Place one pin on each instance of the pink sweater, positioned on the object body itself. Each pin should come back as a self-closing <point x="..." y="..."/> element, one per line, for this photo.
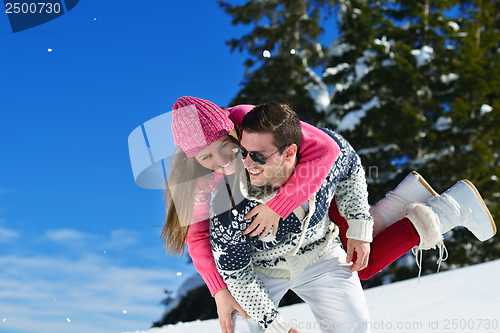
<point x="318" y="152"/>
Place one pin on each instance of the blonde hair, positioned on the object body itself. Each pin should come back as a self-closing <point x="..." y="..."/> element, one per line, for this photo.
<point x="186" y="171"/>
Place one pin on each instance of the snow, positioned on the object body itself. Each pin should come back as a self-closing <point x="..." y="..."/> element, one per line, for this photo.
<point x="341" y="12"/>
<point x="406" y="26"/>
<point x="335" y="70"/>
<point x="464" y="298"/>
<point x="388" y="62"/>
<point x="384" y="42"/>
<point x="342" y="86"/>
<point x="337" y="48"/>
<point x="424" y="55"/>
<point x="266" y="54"/>
<point x="442" y="124"/>
<point x="432" y="156"/>
<point x="319" y="94"/>
<point x="454" y="25"/>
<point x="447" y="78"/>
<point x="353" y="118"/>
<point x="485" y="108"/>
<point x="366" y="151"/>
<point x="361" y="68"/>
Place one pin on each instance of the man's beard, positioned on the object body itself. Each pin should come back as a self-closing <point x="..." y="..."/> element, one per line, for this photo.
<point x="259" y="192"/>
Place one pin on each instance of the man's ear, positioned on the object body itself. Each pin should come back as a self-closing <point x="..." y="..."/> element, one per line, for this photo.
<point x="290" y="151"/>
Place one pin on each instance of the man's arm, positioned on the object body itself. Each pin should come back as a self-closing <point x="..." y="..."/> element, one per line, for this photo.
<point x="233" y="258"/>
<point x="351" y="196"/>
<point x="351" y="193"/>
<point x="352" y="200"/>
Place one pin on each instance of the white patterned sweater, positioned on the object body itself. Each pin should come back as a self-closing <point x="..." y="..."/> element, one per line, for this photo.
<point x="301" y="238"/>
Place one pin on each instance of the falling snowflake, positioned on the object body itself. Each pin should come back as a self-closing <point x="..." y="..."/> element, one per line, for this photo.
<point x="266" y="54"/>
<point x="50" y="50"/>
<point x="292" y="51"/>
<point x="125" y="311"/>
<point x="179" y="273"/>
<point x="69" y="320"/>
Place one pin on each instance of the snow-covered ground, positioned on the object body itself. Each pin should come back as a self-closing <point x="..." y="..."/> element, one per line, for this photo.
<point x="461" y="300"/>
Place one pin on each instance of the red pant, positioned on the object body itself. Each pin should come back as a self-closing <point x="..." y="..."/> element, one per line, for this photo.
<point x="389" y="245"/>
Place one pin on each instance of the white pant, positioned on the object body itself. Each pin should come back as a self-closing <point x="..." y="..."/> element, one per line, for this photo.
<point x="333" y="293"/>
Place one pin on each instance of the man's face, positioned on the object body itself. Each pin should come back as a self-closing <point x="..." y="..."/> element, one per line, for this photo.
<point x="273" y="173"/>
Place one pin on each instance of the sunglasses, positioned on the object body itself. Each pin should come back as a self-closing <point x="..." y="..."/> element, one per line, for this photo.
<point x="258" y="157"/>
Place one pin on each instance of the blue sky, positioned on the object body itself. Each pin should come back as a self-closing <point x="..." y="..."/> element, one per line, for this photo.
<point x="79" y="241"/>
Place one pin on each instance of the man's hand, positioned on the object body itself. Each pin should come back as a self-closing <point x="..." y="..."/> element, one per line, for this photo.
<point x="226" y="304"/>
<point x="263" y="222"/>
<point x="362" y="252"/>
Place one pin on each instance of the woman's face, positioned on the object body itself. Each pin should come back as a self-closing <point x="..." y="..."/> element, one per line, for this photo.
<point x="219" y="156"/>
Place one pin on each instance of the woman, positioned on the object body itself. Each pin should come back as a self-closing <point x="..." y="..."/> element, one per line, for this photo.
<point x="208" y="142"/>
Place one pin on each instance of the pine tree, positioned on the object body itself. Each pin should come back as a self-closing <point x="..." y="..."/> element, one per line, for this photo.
<point x="282" y="46"/>
<point x="413" y="85"/>
<point x="474" y="121"/>
<point x="408" y="94"/>
<point x="386" y="81"/>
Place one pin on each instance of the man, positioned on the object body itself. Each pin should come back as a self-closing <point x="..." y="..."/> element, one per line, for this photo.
<point x="305" y="255"/>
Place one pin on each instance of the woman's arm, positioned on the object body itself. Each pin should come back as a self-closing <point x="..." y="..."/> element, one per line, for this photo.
<point x="200" y="250"/>
<point x="198" y="236"/>
<point x="318" y="152"/>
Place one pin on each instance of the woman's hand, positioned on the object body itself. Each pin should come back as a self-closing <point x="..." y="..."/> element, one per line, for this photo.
<point x="263" y="222"/>
<point x="226" y="304"/>
<point x="293" y="330"/>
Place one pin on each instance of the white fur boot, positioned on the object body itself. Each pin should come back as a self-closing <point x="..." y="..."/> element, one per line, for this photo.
<point x="392" y="208"/>
<point x="426" y="222"/>
<point x="462" y="205"/>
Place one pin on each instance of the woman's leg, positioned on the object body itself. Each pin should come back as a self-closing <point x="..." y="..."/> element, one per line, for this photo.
<point x="424" y="224"/>
<point x="389" y="245"/>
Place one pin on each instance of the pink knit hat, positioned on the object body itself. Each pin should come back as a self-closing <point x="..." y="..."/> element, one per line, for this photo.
<point x="196" y="123"/>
